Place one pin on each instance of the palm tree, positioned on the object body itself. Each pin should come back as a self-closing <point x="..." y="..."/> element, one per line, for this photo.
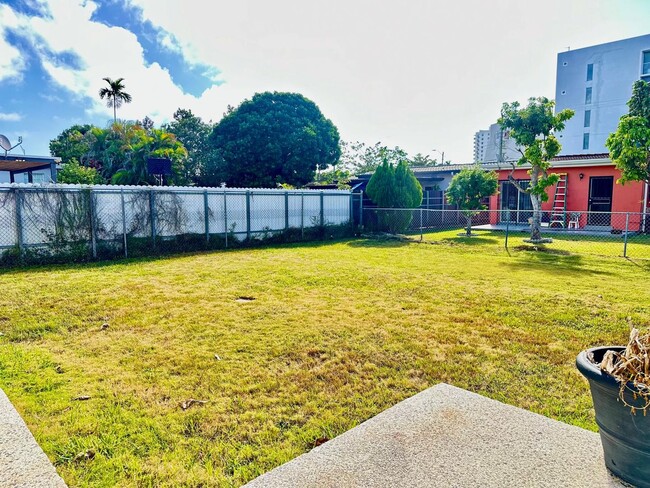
<point x="115" y="95"/>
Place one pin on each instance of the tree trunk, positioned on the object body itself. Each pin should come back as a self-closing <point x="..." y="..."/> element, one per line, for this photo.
<point x="536" y="200"/>
<point x="468" y="228"/>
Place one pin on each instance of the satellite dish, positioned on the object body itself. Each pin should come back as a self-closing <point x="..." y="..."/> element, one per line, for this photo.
<point x="4" y="143"/>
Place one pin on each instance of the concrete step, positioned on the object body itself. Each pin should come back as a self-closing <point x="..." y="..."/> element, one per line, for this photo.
<point x="445" y="436"/>
<point x="23" y="464"/>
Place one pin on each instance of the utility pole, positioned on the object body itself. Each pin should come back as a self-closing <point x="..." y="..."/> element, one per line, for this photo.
<point x="500" y="155"/>
<point x="442" y="153"/>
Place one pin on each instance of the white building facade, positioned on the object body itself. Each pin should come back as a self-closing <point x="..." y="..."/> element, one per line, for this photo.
<point x="596" y="82"/>
<point x="481" y="139"/>
<point x="493" y="145"/>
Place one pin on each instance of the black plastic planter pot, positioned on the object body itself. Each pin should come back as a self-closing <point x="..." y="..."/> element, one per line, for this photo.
<point x="625" y="436"/>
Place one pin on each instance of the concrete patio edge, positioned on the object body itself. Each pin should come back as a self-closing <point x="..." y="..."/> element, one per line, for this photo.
<point x="23" y="464"/>
<point x="446" y="436"/>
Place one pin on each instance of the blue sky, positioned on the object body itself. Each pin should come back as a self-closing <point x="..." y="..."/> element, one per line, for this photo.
<point x="421" y="74"/>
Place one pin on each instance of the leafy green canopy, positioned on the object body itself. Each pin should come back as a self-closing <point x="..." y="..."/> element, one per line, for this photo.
<point x="72" y="143"/>
<point x="274" y="138"/>
<point x="200" y="167"/>
<point x="471" y="185"/>
<point x="533" y="128"/>
<point x="629" y="146"/>
<point x="74" y="173"/>
<point x="359" y="158"/>
<point x="119" y="153"/>
<point x="391" y="187"/>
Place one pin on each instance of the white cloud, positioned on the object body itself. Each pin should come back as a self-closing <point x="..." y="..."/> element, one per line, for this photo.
<point x="12" y="64"/>
<point x="419" y="74"/>
<point x="103" y="51"/>
<point x="10" y="117"/>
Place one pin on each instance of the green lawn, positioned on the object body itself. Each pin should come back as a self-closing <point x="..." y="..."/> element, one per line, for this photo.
<point x="337" y="333"/>
<point x="638" y="246"/>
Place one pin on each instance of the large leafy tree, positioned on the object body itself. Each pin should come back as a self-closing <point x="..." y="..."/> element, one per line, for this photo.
<point x="629" y="146"/>
<point x="468" y="188"/>
<point x="533" y="128"/>
<point x="272" y="139"/>
<point x="73" y="143"/>
<point x="359" y="158"/>
<point x="193" y="133"/>
<point x="114" y="94"/>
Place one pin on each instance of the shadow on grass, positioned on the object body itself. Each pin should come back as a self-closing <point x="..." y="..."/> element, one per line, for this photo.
<point x="112" y="263"/>
<point x="381" y="242"/>
<point x="471" y="241"/>
<point x="644" y="264"/>
<point x="550" y="261"/>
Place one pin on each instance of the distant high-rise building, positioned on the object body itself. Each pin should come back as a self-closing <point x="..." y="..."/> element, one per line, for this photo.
<point x="494" y="145"/>
<point x="480" y="143"/>
<point x="596" y="82"/>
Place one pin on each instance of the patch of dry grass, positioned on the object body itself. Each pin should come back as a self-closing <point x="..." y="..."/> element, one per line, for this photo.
<point x="336" y="333"/>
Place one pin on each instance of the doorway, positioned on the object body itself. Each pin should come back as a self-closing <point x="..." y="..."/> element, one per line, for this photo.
<point x="516" y="206"/>
<point x="600" y="200"/>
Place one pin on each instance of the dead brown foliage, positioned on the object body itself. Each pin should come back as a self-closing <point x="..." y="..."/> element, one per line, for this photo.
<point x="632" y="370"/>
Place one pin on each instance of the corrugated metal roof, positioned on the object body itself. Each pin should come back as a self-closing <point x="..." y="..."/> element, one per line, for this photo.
<point x="187" y="189"/>
<point x="443" y="168"/>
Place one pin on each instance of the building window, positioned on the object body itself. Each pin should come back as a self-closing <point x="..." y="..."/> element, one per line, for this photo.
<point x="645" y="68"/>
<point x="590" y="72"/>
<point x="588" y="96"/>
<point x="587" y="118"/>
<point x="585" y="141"/>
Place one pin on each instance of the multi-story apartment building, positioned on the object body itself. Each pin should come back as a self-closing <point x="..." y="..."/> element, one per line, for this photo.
<point x="596" y="82"/>
<point x="494" y="145"/>
<point x="481" y="139"/>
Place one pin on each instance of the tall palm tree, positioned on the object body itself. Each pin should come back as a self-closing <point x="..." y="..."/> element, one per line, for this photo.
<point x="115" y="95"/>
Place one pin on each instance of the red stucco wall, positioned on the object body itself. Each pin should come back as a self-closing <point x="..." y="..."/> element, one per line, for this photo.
<point x="625" y="198"/>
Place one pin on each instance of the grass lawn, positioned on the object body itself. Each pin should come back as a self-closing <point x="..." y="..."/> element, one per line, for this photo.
<point x="638" y="246"/>
<point x="337" y="333"/>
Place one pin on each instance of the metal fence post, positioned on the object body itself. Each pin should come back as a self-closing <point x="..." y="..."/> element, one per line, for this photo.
<point x="206" y="213"/>
<point x="507" y="226"/>
<point x="19" y="221"/>
<point x="627" y="226"/>
<point x="286" y="210"/>
<point x="322" y="208"/>
<point x="248" y="215"/>
<point x="421" y="234"/>
<point x="126" y="252"/>
<point x="361" y="208"/>
<point x="91" y="217"/>
<point x="351" y="208"/>
<point x="225" y="215"/>
<point x="302" y="215"/>
<point x="152" y="214"/>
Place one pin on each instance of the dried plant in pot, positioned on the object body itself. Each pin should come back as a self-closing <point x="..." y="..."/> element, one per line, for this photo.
<point x="619" y="378"/>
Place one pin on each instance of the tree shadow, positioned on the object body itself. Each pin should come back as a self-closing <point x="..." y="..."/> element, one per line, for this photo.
<point x="477" y="240"/>
<point x="137" y="260"/>
<point x="382" y="242"/>
<point x="555" y="262"/>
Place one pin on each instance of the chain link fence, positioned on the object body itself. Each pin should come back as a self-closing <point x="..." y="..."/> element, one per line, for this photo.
<point x="68" y="223"/>
<point x="598" y="233"/>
